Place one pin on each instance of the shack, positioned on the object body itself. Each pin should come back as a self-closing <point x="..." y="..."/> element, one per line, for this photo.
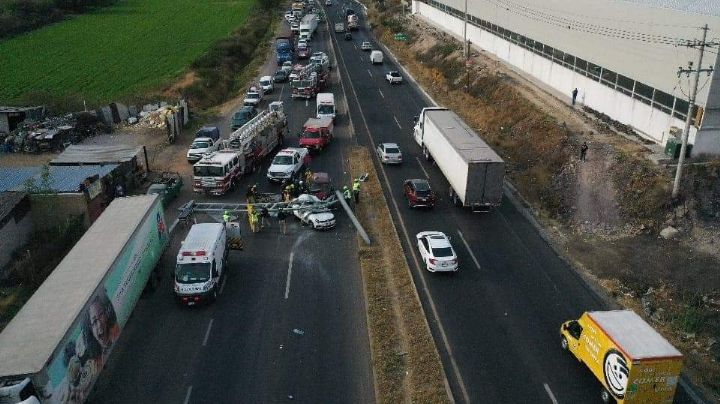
<point x="132" y="161"/>
<point x="11" y="117"/>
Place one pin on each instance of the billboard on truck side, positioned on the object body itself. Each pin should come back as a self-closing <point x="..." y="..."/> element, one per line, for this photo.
<point x="77" y="359"/>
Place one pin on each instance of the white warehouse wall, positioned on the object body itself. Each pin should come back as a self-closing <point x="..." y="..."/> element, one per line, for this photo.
<point x="647" y="121"/>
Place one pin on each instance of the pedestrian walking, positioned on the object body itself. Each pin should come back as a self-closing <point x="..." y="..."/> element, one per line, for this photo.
<point x="356" y="190"/>
<point x="574" y="95"/>
<point x="281" y="221"/>
<point x="308" y="176"/>
<point x="264" y="217"/>
<point x="583" y="151"/>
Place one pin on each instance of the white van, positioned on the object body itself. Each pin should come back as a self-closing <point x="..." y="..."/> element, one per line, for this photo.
<point x="201" y="263"/>
<point x="376" y="57"/>
<point x="325" y="106"/>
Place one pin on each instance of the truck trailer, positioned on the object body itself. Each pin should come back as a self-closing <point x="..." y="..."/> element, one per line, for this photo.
<point x="308" y="24"/>
<point x="473" y="169"/>
<point x="56" y="346"/>
<point x="632" y="361"/>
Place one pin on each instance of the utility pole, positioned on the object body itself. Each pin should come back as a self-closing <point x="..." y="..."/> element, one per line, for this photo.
<point x="466" y="51"/>
<point x="695" y="71"/>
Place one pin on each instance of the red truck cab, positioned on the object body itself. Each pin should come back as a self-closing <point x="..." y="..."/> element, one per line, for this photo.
<point x="316" y="133"/>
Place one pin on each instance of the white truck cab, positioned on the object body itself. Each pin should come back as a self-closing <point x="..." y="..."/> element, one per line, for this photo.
<point x="287" y="164"/>
<point x="325" y="106"/>
<point x="201" y="263"/>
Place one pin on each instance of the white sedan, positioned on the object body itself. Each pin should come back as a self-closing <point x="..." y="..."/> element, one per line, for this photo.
<point x="393" y="77"/>
<point x="318" y="218"/>
<point x="436" y="251"/>
<point x="389" y="153"/>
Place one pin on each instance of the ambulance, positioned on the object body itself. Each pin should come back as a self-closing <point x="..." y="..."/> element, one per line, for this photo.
<point x="201" y="263"/>
<point x="632" y="361"/>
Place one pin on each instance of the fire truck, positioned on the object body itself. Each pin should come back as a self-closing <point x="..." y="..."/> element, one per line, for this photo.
<point x="316" y="133"/>
<point x="215" y="173"/>
<point x="259" y="137"/>
<point x="310" y="80"/>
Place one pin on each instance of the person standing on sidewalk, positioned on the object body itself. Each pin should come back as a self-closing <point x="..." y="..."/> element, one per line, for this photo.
<point x="574" y="95"/>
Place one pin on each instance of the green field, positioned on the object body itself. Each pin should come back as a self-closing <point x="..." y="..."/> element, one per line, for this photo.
<point x="117" y="51"/>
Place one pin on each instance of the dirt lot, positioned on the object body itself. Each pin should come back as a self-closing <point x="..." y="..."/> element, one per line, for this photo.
<point x="605" y="213"/>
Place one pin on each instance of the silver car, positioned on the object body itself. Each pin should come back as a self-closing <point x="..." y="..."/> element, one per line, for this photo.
<point x="389" y="153"/>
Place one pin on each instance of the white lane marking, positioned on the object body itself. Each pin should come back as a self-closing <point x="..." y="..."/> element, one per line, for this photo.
<point x="422" y="168"/>
<point x="426" y="291"/>
<point x="306" y="102"/>
<point x="469" y="250"/>
<point x="381" y="94"/>
<point x="222" y="287"/>
<point x="207" y="333"/>
<point x="396" y="120"/>
<point x="289" y="274"/>
<point x="550" y="393"/>
<point x="187" y="395"/>
<point x="369" y="73"/>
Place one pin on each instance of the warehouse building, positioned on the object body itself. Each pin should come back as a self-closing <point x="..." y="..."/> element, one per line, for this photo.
<point x="622" y="56"/>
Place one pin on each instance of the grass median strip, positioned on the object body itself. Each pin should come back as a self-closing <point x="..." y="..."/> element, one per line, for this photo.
<point x="406" y="364"/>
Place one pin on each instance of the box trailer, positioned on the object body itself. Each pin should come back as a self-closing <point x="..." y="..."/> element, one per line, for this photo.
<point x="632" y="361"/>
<point x="473" y="169"/>
<point x="56" y="346"/>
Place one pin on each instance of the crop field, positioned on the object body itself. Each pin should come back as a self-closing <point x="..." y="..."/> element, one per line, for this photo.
<point x="117" y="51"/>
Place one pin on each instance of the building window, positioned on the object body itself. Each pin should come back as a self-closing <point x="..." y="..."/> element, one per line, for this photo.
<point x="663" y="101"/>
<point x="681" y="109"/>
<point x="538" y="47"/>
<point x="593" y="70"/>
<point x="625" y="85"/>
<point x="580" y="66"/>
<point x="558" y="55"/>
<point x="609" y="77"/>
<point x="643" y="92"/>
<point x="569" y="61"/>
<point x="548" y="52"/>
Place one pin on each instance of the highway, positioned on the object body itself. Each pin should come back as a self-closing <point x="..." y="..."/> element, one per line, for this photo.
<point x="496" y="322"/>
<point x="289" y="323"/>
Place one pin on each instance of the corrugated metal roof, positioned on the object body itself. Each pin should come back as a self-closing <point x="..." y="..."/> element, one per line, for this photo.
<point x="706" y="7"/>
<point x="96" y="154"/>
<point x="61" y="178"/>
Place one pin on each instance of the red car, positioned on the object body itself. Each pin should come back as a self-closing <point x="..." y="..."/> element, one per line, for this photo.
<point x="418" y="193"/>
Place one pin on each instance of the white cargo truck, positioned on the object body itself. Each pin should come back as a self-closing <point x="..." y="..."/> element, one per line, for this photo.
<point x="56" y="346"/>
<point x="201" y="263"/>
<point x="308" y="24"/>
<point x="473" y="169"/>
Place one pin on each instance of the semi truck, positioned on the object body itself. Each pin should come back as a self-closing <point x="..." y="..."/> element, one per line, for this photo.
<point x="283" y="49"/>
<point x="632" y="361"/>
<point x="56" y="346"/>
<point x="473" y="169"/>
<point x="308" y="24"/>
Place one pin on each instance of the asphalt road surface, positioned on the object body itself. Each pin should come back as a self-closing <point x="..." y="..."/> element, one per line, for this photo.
<point x="289" y="323"/>
<point x="496" y="322"/>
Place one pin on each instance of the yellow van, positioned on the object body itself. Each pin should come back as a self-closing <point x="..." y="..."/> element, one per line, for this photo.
<point x="634" y="363"/>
